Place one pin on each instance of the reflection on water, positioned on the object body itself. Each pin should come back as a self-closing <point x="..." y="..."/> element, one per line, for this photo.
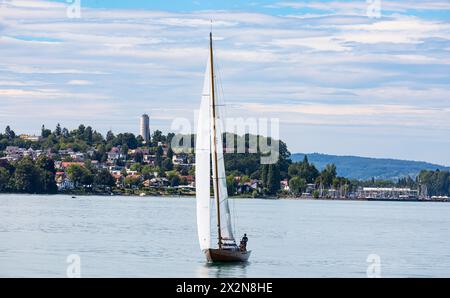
<point x="222" y="270"/>
<point x="157" y="237"/>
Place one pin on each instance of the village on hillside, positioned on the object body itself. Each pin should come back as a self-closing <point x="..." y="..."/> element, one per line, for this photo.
<point x="82" y="161"/>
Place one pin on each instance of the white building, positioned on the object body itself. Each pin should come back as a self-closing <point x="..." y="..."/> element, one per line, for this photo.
<point x="77" y="156"/>
<point x="387" y="193"/>
<point x="14" y="153"/>
<point x="145" y="128"/>
<point x="179" y="159"/>
<point x="30" y="138"/>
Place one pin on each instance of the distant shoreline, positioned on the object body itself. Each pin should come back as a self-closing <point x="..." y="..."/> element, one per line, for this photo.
<point x="233" y="198"/>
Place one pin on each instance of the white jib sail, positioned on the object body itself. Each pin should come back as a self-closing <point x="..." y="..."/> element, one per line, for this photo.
<point x="203" y="165"/>
<point x="225" y="216"/>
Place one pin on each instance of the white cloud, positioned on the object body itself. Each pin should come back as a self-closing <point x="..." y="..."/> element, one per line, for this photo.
<point x="353" y="115"/>
<point x="23" y="69"/>
<point x="323" y="43"/>
<point x="45" y="93"/>
<point x="360" y="7"/>
<point x="79" y="82"/>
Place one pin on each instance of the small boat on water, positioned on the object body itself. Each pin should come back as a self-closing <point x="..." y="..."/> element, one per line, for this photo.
<point x="209" y="152"/>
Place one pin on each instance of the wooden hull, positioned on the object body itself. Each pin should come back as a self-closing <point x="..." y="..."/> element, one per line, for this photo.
<point x="221" y="255"/>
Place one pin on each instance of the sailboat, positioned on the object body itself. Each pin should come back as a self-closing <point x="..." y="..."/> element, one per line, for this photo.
<point x="209" y="152"/>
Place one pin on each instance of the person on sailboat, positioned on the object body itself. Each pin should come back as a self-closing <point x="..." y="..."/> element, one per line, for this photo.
<point x="244" y="241"/>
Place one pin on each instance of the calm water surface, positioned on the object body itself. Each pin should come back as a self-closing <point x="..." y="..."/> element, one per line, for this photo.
<point x="156" y="237"/>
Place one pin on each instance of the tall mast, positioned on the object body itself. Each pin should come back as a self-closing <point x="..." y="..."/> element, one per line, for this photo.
<point x="216" y="169"/>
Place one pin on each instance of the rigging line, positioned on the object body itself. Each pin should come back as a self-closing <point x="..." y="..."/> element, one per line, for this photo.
<point x="221" y="97"/>
<point x="220" y="84"/>
<point x="220" y="75"/>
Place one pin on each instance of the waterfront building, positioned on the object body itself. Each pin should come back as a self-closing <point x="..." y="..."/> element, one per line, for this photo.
<point x="145" y="128"/>
<point x="393" y="193"/>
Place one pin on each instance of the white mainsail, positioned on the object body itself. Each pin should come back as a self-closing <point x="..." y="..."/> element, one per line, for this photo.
<point x="203" y="165"/>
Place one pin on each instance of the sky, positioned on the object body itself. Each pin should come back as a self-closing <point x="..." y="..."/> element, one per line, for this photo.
<point x="341" y="79"/>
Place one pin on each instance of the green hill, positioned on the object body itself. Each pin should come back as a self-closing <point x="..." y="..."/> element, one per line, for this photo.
<point x="364" y="168"/>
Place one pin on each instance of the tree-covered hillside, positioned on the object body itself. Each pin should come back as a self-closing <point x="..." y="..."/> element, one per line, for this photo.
<point x="364" y="168"/>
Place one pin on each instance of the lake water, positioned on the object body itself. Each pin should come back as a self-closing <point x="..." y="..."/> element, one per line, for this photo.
<point x="156" y="237"/>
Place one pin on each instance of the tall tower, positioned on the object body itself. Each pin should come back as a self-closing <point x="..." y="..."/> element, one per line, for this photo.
<point x="145" y="128"/>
